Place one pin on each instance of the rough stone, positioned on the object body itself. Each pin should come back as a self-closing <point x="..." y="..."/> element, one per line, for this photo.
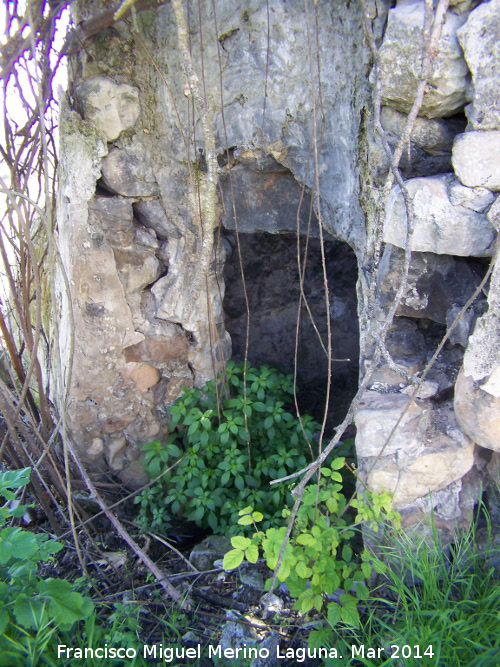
<point x="401" y="57"/>
<point x="494" y="214"/>
<point x="482" y="356"/>
<point x="273" y="603"/>
<point x="406" y="344"/>
<point x="110" y="106"/>
<point x="257" y="160"/>
<point x="239" y="635"/>
<point x="476" y="159"/>
<point x="152" y="214"/>
<point x="251" y="576"/>
<point x="376" y="416"/>
<point x="208" y="551"/>
<point x="433" y="135"/>
<point x="159" y="347"/>
<point x="444" y="456"/>
<point x="478" y="412"/>
<point x="479" y="39"/>
<point x="461" y="331"/>
<point x="432" y="157"/>
<point x="265" y="202"/>
<point x="436" y="283"/>
<point x="145" y="376"/>
<point x="440" y="227"/>
<point x="136" y="268"/>
<point x="115" y="450"/>
<point x="114" y="217"/>
<point x="477" y="199"/>
<point x="128" y="172"/>
<point x="146" y="238"/>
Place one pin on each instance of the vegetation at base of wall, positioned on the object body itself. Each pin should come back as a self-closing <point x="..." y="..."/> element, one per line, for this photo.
<point x="225" y="461"/>
<point x="34" y="611"/>
<point x="435" y="606"/>
<point x="319" y="565"/>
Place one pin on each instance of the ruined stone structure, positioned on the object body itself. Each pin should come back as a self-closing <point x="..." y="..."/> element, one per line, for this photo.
<point x="131" y="150"/>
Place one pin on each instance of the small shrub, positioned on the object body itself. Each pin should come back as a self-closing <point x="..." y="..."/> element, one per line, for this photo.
<point x="214" y="479"/>
<point x="318" y="565"/>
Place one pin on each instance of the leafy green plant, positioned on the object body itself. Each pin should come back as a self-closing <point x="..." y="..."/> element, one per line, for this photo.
<point x="211" y="440"/>
<point x="318" y="565"/>
<point x="33" y="610"/>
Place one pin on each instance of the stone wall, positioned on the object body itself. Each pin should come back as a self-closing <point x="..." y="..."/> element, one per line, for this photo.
<point x="436" y="459"/>
<point x="127" y="209"/>
<point x="131" y="243"/>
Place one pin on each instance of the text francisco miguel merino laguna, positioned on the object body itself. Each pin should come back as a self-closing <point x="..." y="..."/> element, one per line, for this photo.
<point x="170" y="654"/>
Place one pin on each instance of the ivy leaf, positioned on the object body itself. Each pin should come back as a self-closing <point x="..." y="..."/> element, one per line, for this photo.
<point x="284" y="571"/>
<point x="14" y="479"/>
<point x="367" y="570"/>
<point x="232" y="559"/>
<point x="362" y="592"/>
<point x="346" y="553"/>
<point x="30" y="612"/>
<point x="4" y="619"/>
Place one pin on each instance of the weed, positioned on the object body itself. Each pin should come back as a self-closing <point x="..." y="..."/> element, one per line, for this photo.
<point x="215" y="477"/>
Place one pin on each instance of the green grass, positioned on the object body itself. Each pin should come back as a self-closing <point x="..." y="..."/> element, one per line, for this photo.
<point x="448" y="599"/>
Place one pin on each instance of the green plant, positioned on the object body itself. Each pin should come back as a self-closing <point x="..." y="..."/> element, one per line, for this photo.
<point x="212" y="432"/>
<point x="318" y="565"/>
<point x="34" y="611"/>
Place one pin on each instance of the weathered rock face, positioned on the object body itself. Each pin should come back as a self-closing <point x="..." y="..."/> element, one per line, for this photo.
<point x="440" y="226"/>
<point x="456" y="217"/>
<point x="401" y="58"/>
<point x="130" y="226"/>
<point x="479" y="39"/>
<point x="134" y="195"/>
<point x="476" y="159"/>
<point x="111" y="107"/>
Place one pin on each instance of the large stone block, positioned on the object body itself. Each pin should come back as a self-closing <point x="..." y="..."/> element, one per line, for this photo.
<point x="152" y="214"/>
<point x="377" y="415"/>
<point x="478" y="410"/>
<point x="445" y="455"/>
<point x="401" y="58"/>
<point x="128" y="172"/>
<point x="137" y="268"/>
<point x="480" y="39"/>
<point x="111" y="107"/>
<point x="433" y="135"/>
<point x="476" y="159"/>
<point x="440" y="227"/>
<point x="436" y="283"/>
